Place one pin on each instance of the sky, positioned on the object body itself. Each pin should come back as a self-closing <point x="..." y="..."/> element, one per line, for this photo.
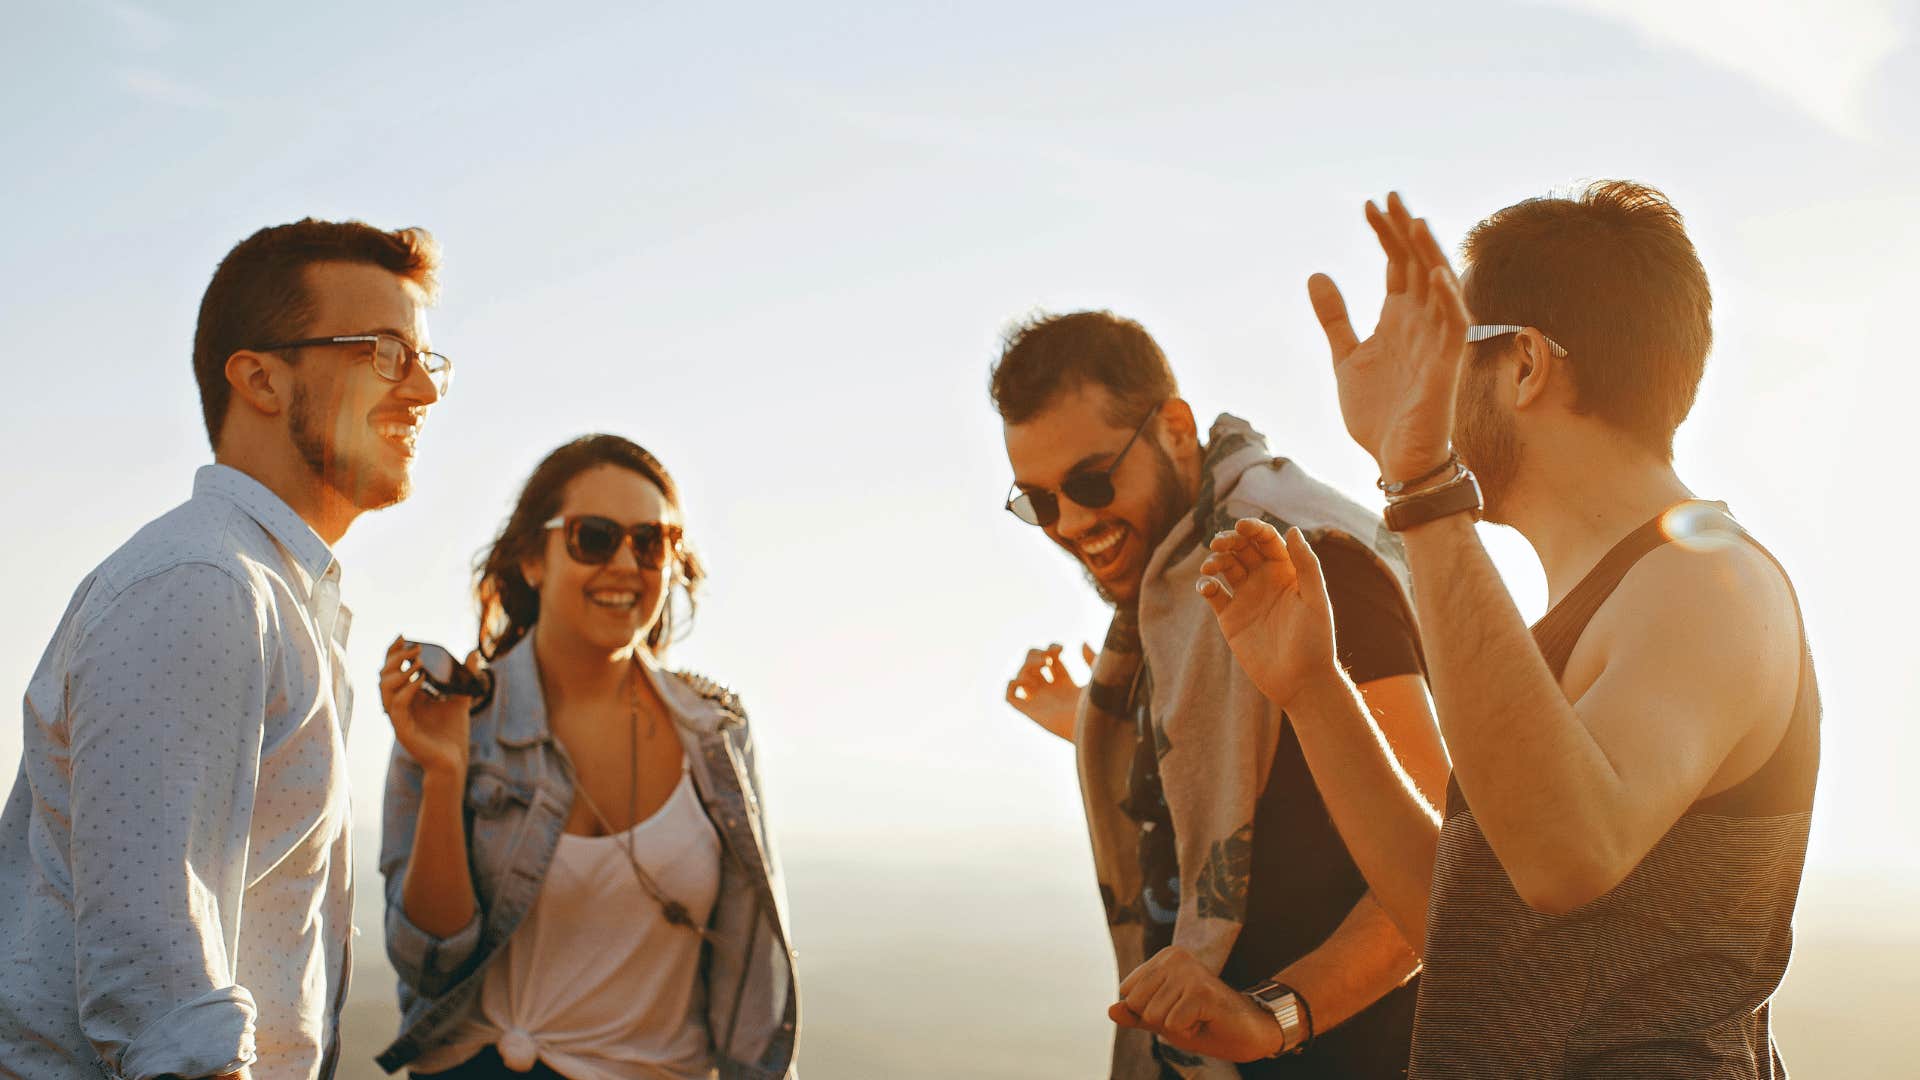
<point x="778" y="244"/>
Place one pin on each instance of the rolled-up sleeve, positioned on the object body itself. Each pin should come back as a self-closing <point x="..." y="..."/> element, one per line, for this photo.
<point x="167" y="698"/>
<point x="423" y="961"/>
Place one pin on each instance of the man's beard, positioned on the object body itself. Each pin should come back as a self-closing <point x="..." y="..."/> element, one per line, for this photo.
<point x="1486" y="439"/>
<point x="360" y="485"/>
<point x="1170" y="501"/>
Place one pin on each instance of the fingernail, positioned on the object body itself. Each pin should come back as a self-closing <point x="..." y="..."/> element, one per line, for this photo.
<point x="1217" y="583"/>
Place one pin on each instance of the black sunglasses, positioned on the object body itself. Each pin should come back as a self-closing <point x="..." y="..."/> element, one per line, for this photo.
<point x="1092" y="489"/>
<point x="594" y="540"/>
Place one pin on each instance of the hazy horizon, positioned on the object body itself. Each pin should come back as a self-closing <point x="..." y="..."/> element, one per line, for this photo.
<point x="977" y="957"/>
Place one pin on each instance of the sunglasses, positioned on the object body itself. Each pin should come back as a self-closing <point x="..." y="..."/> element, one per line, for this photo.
<point x="441" y="676"/>
<point x="1092" y="488"/>
<point x="594" y="540"/>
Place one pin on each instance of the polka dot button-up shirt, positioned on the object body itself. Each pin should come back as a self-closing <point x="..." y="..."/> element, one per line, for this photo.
<point x="176" y="891"/>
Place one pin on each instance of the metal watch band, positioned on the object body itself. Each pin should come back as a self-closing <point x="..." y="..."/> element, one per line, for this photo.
<point x="1288" y="1010"/>
<point x="1456" y="496"/>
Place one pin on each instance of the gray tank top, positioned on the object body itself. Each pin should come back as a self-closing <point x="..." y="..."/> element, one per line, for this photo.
<point x="1667" y="975"/>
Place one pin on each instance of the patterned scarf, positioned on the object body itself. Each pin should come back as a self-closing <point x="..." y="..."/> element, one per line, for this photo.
<point x="1213" y="733"/>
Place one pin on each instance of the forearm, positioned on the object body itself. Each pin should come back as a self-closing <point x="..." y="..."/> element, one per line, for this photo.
<point x="437" y="893"/>
<point x="1389" y="828"/>
<point x="1539" y="785"/>
<point x="1364" y="961"/>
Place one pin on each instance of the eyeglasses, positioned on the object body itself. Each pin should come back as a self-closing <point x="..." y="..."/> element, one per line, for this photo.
<point x="1487" y="333"/>
<point x="594" y="540"/>
<point x="1091" y="489"/>
<point x="393" y="359"/>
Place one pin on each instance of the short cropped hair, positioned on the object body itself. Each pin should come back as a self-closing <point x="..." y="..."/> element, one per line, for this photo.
<point x="1609" y="274"/>
<point x="1049" y="355"/>
<point x="259" y="295"/>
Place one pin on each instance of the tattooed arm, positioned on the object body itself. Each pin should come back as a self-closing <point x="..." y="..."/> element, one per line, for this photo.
<point x="1180" y="996"/>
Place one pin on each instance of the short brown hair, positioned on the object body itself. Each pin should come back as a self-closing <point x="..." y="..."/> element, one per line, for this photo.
<point x="1047" y="355"/>
<point x="259" y="292"/>
<point x="1610" y="274"/>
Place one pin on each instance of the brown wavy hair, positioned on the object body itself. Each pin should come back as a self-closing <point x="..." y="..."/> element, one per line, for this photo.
<point x="509" y="606"/>
<point x="1046" y="356"/>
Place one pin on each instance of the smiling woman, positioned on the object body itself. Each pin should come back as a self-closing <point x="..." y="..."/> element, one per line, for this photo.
<point x="569" y="878"/>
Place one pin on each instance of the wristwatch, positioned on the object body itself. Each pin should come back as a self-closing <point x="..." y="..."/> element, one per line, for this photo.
<point x="1289" y="1010"/>
<point x="1458" y="495"/>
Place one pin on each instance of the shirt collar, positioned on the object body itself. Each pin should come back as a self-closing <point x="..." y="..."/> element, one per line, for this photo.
<point x="523" y="707"/>
<point x="274" y="515"/>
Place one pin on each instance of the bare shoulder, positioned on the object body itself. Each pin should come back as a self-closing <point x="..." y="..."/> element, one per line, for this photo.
<point x="1706" y="625"/>
<point x="1718" y="586"/>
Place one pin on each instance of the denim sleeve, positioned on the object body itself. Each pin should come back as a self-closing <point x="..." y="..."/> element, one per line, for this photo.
<point x="167" y="698"/>
<point x="429" y="964"/>
<point x="750" y="765"/>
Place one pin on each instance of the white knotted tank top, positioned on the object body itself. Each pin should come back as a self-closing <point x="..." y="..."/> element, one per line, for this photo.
<point x="596" y="982"/>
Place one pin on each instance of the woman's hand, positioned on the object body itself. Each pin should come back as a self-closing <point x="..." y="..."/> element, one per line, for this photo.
<point x="433" y="731"/>
<point x="1272" y="605"/>
<point x="1045" y="693"/>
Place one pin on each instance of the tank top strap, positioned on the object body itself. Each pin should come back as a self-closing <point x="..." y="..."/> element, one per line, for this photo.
<point x="1559" y="630"/>
<point x="1784" y="782"/>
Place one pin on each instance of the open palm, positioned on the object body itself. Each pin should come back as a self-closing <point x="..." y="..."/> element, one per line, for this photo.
<point x="1397" y="387"/>
<point x="1273" y="607"/>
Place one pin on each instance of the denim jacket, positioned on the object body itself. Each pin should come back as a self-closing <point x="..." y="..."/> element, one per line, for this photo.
<point x="519" y="794"/>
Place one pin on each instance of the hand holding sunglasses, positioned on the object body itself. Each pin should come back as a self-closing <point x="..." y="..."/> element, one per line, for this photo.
<point x="593" y="540"/>
<point x="1090" y="488"/>
<point x="442" y="676"/>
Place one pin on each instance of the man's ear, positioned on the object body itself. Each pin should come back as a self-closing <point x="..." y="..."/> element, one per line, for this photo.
<point x="1177" y="416"/>
<point x="260" y="381"/>
<point x="1536" y="369"/>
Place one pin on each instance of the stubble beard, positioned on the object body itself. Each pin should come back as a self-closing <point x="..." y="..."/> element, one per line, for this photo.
<point x="1170" y="501"/>
<point x="358" y="484"/>
<point x="1487" y="442"/>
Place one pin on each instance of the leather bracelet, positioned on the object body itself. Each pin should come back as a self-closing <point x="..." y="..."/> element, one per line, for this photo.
<point x="1395" y="487"/>
<point x="1456" y="496"/>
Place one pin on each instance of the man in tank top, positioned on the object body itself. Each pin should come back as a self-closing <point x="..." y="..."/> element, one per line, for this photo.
<point x="1614" y="881"/>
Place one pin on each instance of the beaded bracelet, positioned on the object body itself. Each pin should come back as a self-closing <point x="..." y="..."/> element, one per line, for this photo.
<point x="1398" y="486"/>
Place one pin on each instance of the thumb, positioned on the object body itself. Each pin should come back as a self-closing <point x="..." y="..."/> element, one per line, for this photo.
<point x="1087" y="653"/>
<point x="1331" y="310"/>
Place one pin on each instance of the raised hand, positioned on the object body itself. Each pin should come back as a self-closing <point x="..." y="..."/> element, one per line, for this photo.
<point x="433" y="732"/>
<point x="1397" y="387"/>
<point x="1174" y="996"/>
<point x="1271" y="603"/>
<point x="1044" y="692"/>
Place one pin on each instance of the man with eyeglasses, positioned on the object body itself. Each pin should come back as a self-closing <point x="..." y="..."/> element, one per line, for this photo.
<point x="174" y="864"/>
<point x="1216" y="860"/>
